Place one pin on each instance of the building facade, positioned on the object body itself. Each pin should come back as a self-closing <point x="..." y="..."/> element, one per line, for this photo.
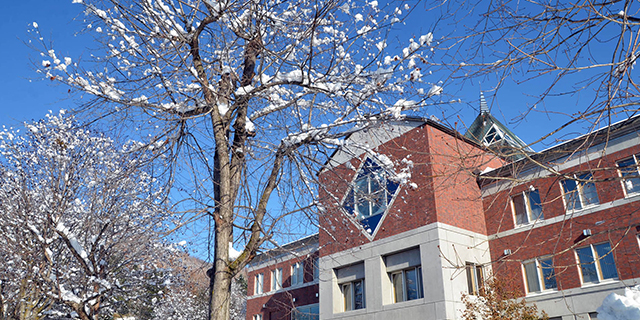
<point x="283" y="283"/>
<point x="417" y="214"/>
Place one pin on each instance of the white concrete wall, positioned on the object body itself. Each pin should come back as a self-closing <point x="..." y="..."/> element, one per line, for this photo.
<point x="444" y="250"/>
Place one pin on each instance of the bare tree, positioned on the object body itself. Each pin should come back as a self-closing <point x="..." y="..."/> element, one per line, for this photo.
<point x="246" y="98"/>
<point x="579" y="54"/>
<point x="81" y="221"/>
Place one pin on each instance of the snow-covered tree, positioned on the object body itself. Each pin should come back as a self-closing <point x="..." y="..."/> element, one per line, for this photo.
<point x="246" y="97"/>
<point x="80" y="221"/>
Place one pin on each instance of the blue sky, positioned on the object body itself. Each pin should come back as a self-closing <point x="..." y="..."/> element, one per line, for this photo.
<point x="20" y="98"/>
<point x="25" y="97"/>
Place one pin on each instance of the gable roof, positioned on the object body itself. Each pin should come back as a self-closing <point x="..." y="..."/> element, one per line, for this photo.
<point x="486" y="130"/>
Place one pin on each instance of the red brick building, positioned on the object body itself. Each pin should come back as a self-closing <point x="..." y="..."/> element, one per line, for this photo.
<point x="283" y="283"/>
<point x="417" y="214"/>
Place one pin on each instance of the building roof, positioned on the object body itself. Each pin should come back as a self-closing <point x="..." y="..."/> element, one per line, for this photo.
<point x="488" y="131"/>
<point x="574" y="147"/>
<point x="295" y="248"/>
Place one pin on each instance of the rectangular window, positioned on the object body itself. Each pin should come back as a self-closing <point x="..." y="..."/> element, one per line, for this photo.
<point x="597" y="263"/>
<point x="353" y="295"/>
<point x="297" y="273"/>
<point x="407" y="284"/>
<point x="475" y="278"/>
<point x="276" y="279"/>
<point x="259" y="283"/>
<point x="526" y="207"/>
<point x="308" y="312"/>
<point x="257" y="317"/>
<point x="630" y="175"/>
<point x="540" y="275"/>
<point x="579" y="193"/>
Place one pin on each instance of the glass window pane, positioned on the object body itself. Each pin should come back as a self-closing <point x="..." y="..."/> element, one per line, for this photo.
<point x="471" y="279"/>
<point x="571" y="195"/>
<point x="606" y="261"/>
<point x="629" y="172"/>
<point x="589" y="194"/>
<point x="363" y="209"/>
<point x="519" y="210"/>
<point x="358" y="295"/>
<point x="531" y="273"/>
<point x="534" y="205"/>
<point x="588" y="268"/>
<point x="411" y="281"/>
<point x="396" y="280"/>
<point x="548" y="274"/>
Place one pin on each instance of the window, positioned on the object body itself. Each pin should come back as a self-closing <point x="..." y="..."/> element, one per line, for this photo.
<point x="526" y="207"/>
<point x="580" y="193"/>
<point x="276" y="279"/>
<point x="474" y="278"/>
<point x="630" y="176"/>
<point x="316" y="268"/>
<point x="495" y="135"/>
<point x="296" y="273"/>
<point x="597" y="263"/>
<point x="405" y="274"/>
<point x="351" y="285"/>
<point x="540" y="275"/>
<point x="407" y="284"/>
<point x="353" y="295"/>
<point x="257" y="317"/>
<point x="308" y="312"/>
<point x="259" y="282"/>
<point x="370" y="194"/>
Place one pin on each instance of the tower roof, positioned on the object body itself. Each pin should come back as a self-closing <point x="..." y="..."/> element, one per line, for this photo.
<point x="486" y="130"/>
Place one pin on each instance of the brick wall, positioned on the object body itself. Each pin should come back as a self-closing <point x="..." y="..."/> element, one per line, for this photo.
<point x="442" y="188"/>
<point x="278" y="304"/>
<point x="616" y="225"/>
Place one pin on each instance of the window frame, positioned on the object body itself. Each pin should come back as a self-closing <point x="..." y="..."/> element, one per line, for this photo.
<point x="475" y="278"/>
<point x="596" y="262"/>
<point x="372" y="198"/>
<point x="540" y="277"/>
<point x="276" y="279"/>
<point x="297" y="273"/>
<point x="528" y="205"/>
<point x="403" y="282"/>
<point x="257" y="316"/>
<point x="349" y="302"/>
<point x="580" y="186"/>
<point x="635" y="175"/>
<point x="258" y="285"/>
<point x="307" y="313"/>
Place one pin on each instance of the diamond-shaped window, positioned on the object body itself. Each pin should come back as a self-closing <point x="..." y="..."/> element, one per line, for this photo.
<point x="370" y="195"/>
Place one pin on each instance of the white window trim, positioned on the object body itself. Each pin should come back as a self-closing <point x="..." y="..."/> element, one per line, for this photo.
<point x="257" y="317"/>
<point x="297" y="273"/>
<point x="596" y="262"/>
<point x="259" y="283"/>
<point x="580" y="193"/>
<point x="527" y="208"/>
<point x="276" y="279"/>
<point x="622" y="180"/>
<point x="539" y="275"/>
